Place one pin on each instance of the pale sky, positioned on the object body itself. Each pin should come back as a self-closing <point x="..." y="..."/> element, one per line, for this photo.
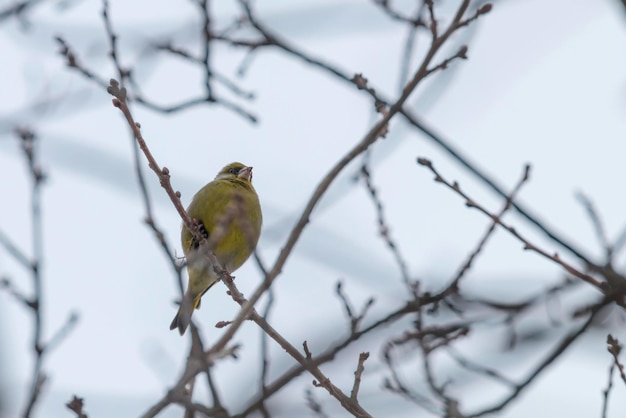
<point x="545" y="83"/>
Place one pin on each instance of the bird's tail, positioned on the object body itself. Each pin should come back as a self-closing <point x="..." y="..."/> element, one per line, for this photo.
<point x="183" y="316"/>
<point x="199" y="284"/>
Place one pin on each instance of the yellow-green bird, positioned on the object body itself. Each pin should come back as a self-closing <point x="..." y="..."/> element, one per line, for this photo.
<point x="230" y="213"/>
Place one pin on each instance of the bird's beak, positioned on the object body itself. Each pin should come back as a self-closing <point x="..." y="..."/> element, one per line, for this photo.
<point x="245" y="173"/>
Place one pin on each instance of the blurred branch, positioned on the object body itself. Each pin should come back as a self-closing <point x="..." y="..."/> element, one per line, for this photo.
<point x="620" y="241"/>
<point x="393" y="14"/>
<point x="432" y="338"/>
<point x="453" y="286"/>
<point x="197" y="351"/>
<point x="355" y="319"/>
<point x="395" y="384"/>
<point x="615" y="349"/>
<point x="149" y="219"/>
<point x="429" y="339"/>
<point x="314" y="404"/>
<point x="357" y="375"/>
<point x="27" y="140"/>
<point x="623" y="3"/>
<point x="409" y="44"/>
<point x="126" y="79"/>
<point x="122" y="73"/>
<point x="607" y="392"/>
<point x="18" y="8"/>
<point x="557" y="352"/>
<point x="203" y="5"/>
<point x="383" y="226"/>
<point x="597" y="225"/>
<point x="62" y="332"/>
<point x="71" y="61"/>
<point x="478" y="368"/>
<point x="76" y="405"/>
<point x="6" y="284"/>
<point x="15" y="252"/>
<point x="220" y="78"/>
<point x="329" y="354"/>
<point x="265" y="359"/>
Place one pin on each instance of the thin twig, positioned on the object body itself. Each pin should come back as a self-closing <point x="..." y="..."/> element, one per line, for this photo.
<point x="150" y="220"/>
<point x="615" y="348"/>
<point x="397" y="16"/>
<point x="409" y="44"/>
<point x="478" y="368"/>
<point x="355" y="319"/>
<point x="357" y="375"/>
<point x="383" y="225"/>
<point x="329" y="354"/>
<point x="76" y="405"/>
<point x="265" y="359"/>
<point x="556" y="352"/>
<point x="7" y="284"/>
<point x="527" y="244"/>
<point x="162" y="173"/>
<point x="492" y="226"/>
<point x="606" y="392"/>
<point x="18" y="8"/>
<point x="597" y="225"/>
<point x="206" y="43"/>
<point x="15" y="252"/>
<point x="125" y="75"/>
<point x="314" y="404"/>
<point x="63" y="331"/>
<point x="28" y="146"/>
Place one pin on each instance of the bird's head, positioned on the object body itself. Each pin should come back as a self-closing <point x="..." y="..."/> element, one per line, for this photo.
<point x="235" y="171"/>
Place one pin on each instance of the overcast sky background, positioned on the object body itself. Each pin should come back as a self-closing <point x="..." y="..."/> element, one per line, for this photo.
<point x="545" y="83"/>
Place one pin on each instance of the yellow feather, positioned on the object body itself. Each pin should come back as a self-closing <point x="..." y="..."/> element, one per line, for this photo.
<point x="230" y="212"/>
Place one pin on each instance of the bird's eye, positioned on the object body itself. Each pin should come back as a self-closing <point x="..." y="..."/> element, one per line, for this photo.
<point x="234" y="171"/>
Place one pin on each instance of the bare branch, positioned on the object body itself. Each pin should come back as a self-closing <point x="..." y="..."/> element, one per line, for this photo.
<point x="383" y="227"/>
<point x="556" y="352"/>
<point x="357" y="375"/>
<point x="314" y="404"/>
<point x="29" y="147"/>
<point x="15" y="252"/>
<point x="481" y="244"/>
<point x="597" y="225"/>
<point x="615" y="349"/>
<point x="607" y="392"/>
<point x="527" y="245"/>
<point x="355" y="319"/>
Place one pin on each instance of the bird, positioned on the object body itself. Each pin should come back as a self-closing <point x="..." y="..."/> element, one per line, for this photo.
<point x="230" y="218"/>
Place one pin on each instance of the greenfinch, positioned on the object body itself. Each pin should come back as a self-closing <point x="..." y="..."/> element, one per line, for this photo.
<point x="229" y="212"/>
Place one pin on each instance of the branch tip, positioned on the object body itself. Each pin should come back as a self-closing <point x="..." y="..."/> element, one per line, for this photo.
<point x="462" y="53"/>
<point x="484" y="9"/>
